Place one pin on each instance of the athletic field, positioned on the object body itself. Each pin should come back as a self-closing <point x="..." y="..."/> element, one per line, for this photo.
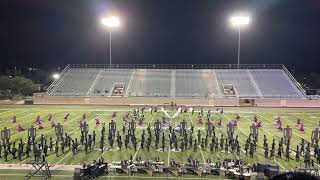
<point x="26" y="116"/>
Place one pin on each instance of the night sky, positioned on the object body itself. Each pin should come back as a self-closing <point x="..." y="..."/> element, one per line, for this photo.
<point x="58" y="32"/>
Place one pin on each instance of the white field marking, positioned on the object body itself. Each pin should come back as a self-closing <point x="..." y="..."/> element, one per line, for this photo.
<point x="81" y="110"/>
<point x="277" y="137"/>
<point x="169" y="155"/>
<point x="218" y="128"/>
<point x="71" y="120"/>
<point x="204" y="161"/>
<point x="115" y="177"/>
<point x="23" y="121"/>
<point x="307" y="119"/>
<point x="8" y="119"/>
<point x="262" y="128"/>
<point x="134" y="157"/>
<point x="65" y="122"/>
<point x="63" y="158"/>
<point x="279" y="163"/>
<point x="237" y="128"/>
<point x="26" y="130"/>
<point x="272" y="122"/>
<point x="101" y="114"/>
<point x="287" y="117"/>
<point x="5" y="111"/>
<point x="105" y="149"/>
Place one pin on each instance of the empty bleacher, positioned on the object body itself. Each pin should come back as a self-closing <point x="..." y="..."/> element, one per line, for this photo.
<point x="195" y="83"/>
<point x="152" y="82"/>
<point x="275" y="83"/>
<point x="75" y="82"/>
<point x="240" y="80"/>
<point x="106" y="80"/>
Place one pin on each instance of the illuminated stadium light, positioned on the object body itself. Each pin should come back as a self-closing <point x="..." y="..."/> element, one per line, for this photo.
<point x="55" y="76"/>
<point x="240" y="20"/>
<point x="111" y="21"/>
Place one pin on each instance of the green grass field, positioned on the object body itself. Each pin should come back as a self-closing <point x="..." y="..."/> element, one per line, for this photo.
<point x="26" y="117"/>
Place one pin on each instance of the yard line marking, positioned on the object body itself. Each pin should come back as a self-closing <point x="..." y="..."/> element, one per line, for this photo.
<point x="26" y="129"/>
<point x="134" y="157"/>
<point x="237" y="128"/>
<point x="261" y="147"/>
<point x="277" y="137"/>
<point x="71" y="120"/>
<point x="279" y="164"/>
<point x="115" y="177"/>
<point x="5" y="111"/>
<point x="104" y="151"/>
<point x="309" y="121"/>
<point x="272" y="122"/>
<point x="81" y="110"/>
<point x="23" y="121"/>
<point x="204" y="161"/>
<point x="169" y="155"/>
<point x="63" y="158"/>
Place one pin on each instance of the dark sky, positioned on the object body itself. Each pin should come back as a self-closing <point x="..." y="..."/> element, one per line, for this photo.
<point x="55" y="32"/>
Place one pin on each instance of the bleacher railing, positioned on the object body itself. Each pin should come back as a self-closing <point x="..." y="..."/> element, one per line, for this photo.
<point x="178" y="66"/>
<point x="60" y="76"/>
<point x="294" y="80"/>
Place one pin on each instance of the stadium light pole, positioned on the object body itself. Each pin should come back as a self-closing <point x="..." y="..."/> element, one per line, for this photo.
<point x="238" y="22"/>
<point x="111" y="23"/>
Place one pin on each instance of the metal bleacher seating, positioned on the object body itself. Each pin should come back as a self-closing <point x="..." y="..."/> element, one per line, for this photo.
<point x="195" y="83"/>
<point x="248" y="82"/>
<point x="75" y="82"/>
<point x="107" y="78"/>
<point x="275" y="83"/>
<point x="240" y="79"/>
<point x="151" y="82"/>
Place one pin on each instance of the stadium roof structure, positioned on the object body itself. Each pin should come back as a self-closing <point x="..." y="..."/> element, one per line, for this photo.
<point x="181" y="80"/>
